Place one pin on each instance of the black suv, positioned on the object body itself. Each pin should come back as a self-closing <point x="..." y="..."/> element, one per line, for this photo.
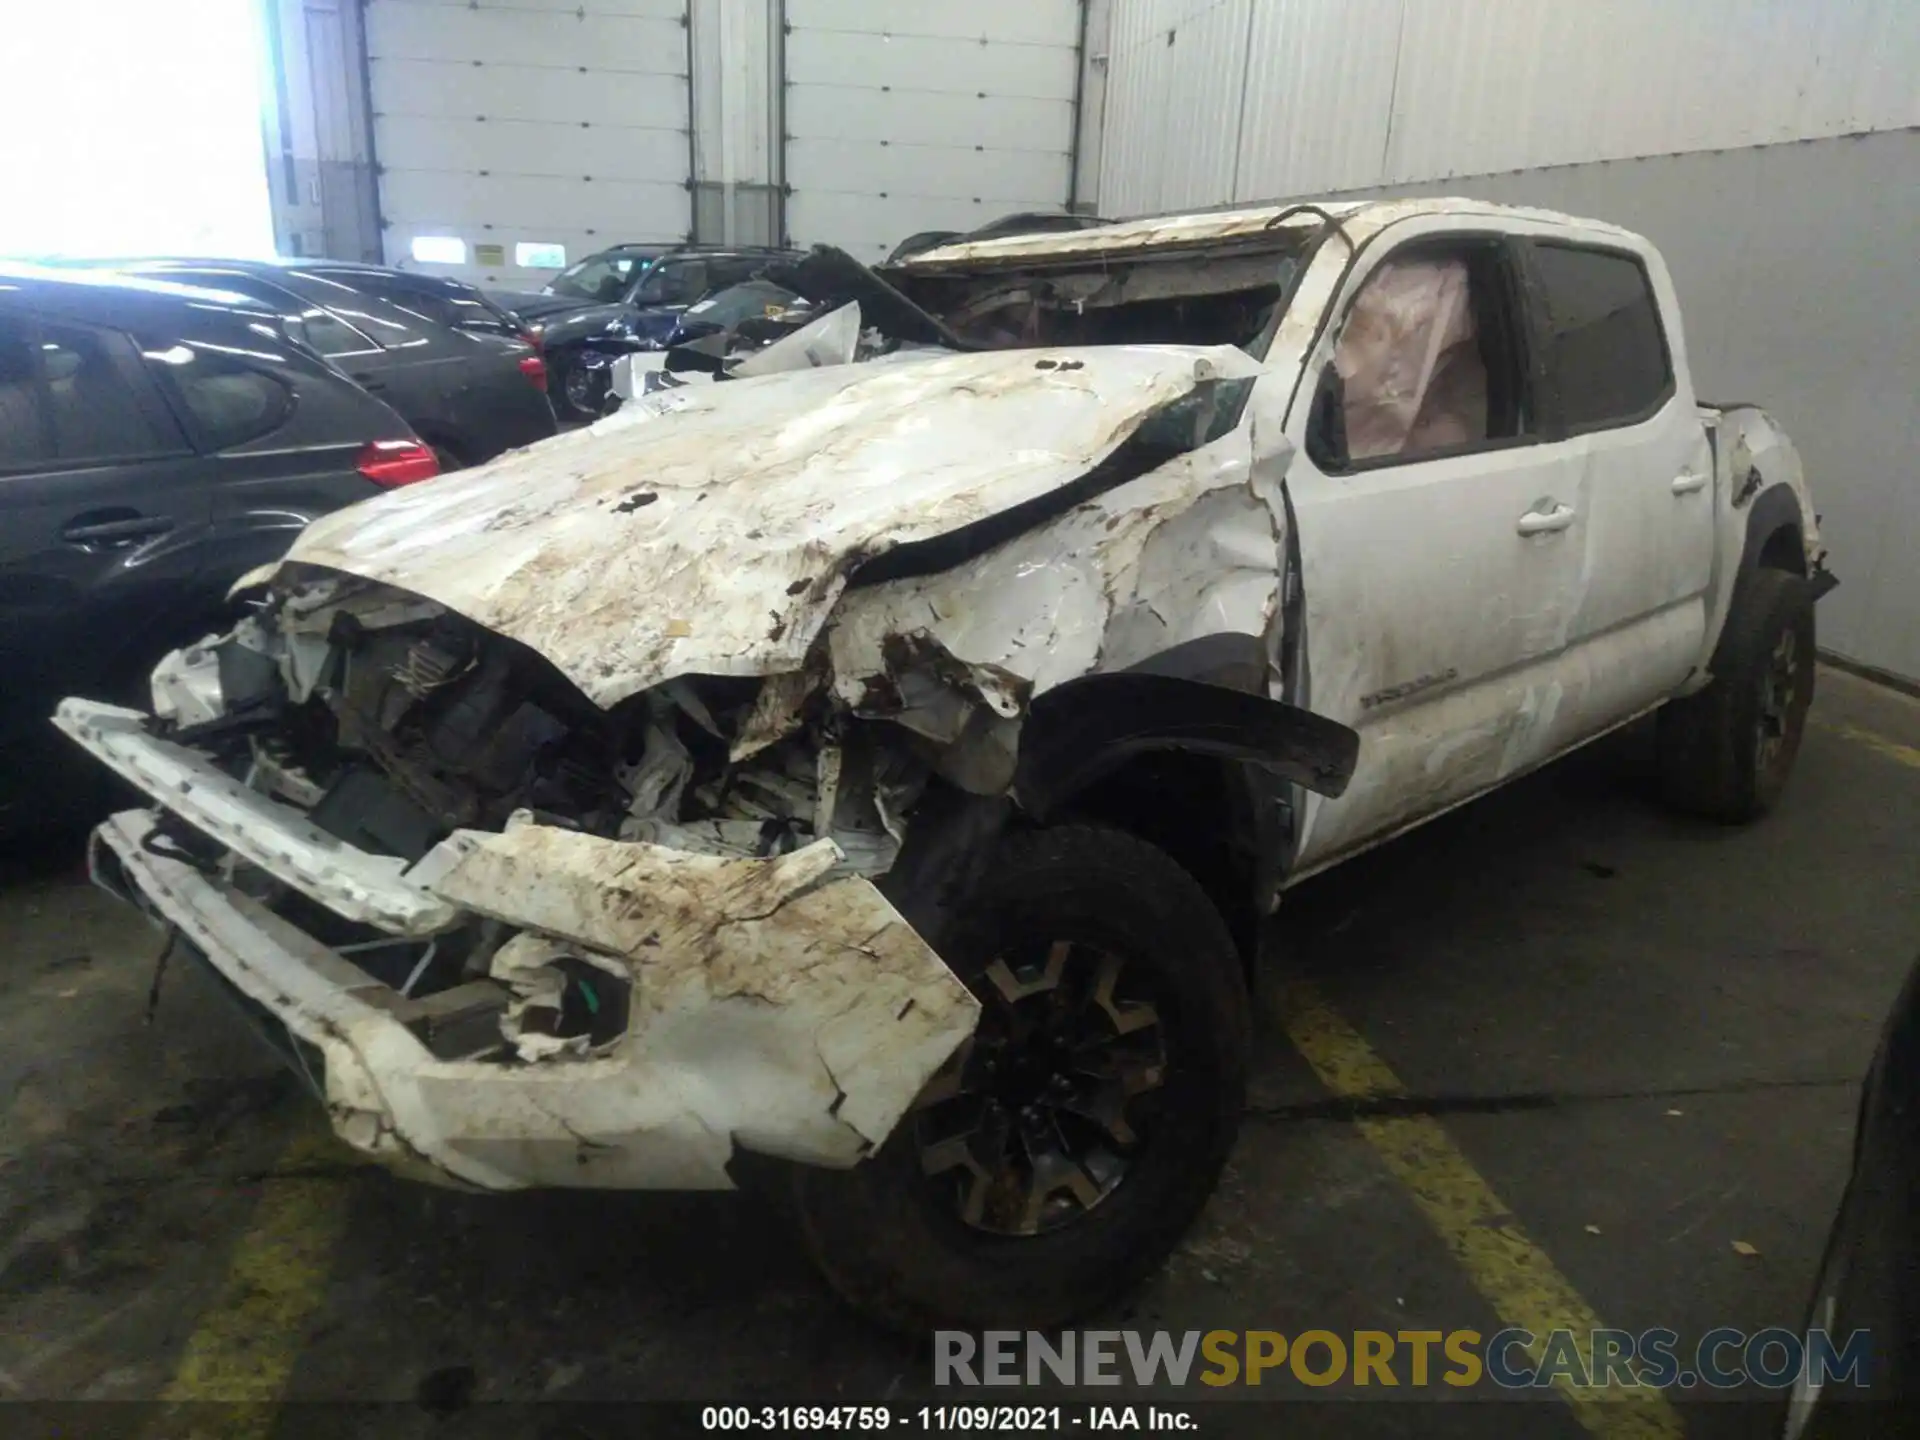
<point x="619" y="301"/>
<point x="461" y="371"/>
<point x="157" y="441"/>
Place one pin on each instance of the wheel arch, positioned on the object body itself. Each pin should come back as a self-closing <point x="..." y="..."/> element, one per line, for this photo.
<point x="1209" y="814"/>
<point x="1188" y="752"/>
<point x="1776" y="538"/>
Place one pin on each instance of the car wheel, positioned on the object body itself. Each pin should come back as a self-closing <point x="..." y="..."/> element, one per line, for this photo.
<point x="578" y="393"/>
<point x="1060" y="1154"/>
<point x="449" y="459"/>
<point x="1726" y="752"/>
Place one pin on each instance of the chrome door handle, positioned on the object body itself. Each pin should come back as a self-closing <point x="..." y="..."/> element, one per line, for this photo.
<point x="1546" y="515"/>
<point x="1688" y="482"/>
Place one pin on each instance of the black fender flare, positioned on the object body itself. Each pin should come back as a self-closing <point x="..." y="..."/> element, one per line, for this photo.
<point x="1081" y="731"/>
<point x="1774" y="508"/>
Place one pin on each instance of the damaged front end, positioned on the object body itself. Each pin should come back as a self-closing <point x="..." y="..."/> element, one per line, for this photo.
<point x="586" y="818"/>
<point x="518" y="940"/>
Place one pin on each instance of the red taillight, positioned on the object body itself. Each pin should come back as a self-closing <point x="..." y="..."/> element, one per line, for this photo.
<point x="396" y="462"/>
<point x="535" y="369"/>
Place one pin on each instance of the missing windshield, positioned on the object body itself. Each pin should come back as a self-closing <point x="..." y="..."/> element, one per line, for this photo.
<point x="1170" y="299"/>
<point x="1179" y="297"/>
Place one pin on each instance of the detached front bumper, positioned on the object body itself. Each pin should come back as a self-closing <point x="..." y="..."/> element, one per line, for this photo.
<point x="773" y="1007"/>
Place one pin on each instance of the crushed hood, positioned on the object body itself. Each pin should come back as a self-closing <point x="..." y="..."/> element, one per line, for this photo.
<point x="711" y="529"/>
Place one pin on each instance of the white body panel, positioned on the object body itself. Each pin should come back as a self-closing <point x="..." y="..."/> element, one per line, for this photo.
<point x="1462" y="650"/>
<point x="738" y="512"/>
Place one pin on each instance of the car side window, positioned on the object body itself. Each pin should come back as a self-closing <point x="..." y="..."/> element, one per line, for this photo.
<point x="97" y="415"/>
<point x="1606" y="355"/>
<point x="1428" y="362"/>
<point x="601" y="279"/>
<point x="673" y="282"/>
<point x="327" y="334"/>
<point x="454" y="306"/>
<point x="737" y="270"/>
<point x="230" y="401"/>
<point x="25" y="439"/>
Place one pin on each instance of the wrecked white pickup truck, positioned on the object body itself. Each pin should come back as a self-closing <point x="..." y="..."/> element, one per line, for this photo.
<point x="882" y="768"/>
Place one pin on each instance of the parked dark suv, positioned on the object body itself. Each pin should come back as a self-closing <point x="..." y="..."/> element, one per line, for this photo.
<point x="157" y="441"/>
<point x="460" y="370"/>
<point x="622" y="300"/>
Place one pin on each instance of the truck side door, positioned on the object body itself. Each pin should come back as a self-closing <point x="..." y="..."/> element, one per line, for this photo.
<point x="1620" y="407"/>
<point x="1440" y="557"/>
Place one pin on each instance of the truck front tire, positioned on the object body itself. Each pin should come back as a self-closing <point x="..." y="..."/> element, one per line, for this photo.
<point x="1062" y="1153"/>
<point x="1725" y="753"/>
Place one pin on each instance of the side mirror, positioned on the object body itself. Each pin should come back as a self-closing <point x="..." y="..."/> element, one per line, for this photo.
<point x="1327" y="423"/>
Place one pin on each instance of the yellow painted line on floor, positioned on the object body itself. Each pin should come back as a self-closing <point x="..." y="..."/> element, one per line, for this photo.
<point x="1879" y="744"/>
<point x="1512" y="1272"/>
<point x="244" y="1349"/>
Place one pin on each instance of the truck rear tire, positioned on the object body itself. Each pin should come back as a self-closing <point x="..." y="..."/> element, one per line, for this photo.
<point x="1726" y="752"/>
<point x="1062" y="1153"/>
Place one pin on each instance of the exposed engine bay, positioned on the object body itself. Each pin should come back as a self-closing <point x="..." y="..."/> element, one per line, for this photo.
<point x="395" y="723"/>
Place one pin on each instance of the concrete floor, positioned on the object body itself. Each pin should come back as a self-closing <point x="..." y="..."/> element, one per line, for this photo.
<point x="1552" y="972"/>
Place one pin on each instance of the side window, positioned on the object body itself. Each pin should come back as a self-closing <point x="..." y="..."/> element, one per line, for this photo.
<point x="673" y="282"/>
<point x="1427" y="363"/>
<point x="97" y="415"/>
<point x="734" y="271"/>
<point x="24" y="437"/>
<point x="458" y="307"/>
<point x="1605" y="353"/>
<point x="328" y="334"/>
<point x="229" y="400"/>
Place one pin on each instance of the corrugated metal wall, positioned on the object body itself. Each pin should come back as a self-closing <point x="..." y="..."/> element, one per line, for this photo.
<point x="1713" y="126"/>
<point x="1215" y="100"/>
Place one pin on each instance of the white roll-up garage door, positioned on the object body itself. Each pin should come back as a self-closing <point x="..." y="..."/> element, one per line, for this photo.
<point x="909" y="115"/>
<point x="527" y="130"/>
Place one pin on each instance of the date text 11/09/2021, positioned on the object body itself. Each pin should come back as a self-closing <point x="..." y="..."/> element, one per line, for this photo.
<point x="935" y="1419"/>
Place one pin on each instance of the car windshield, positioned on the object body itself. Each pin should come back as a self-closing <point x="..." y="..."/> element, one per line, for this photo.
<point x="727" y="308"/>
<point x="601" y="278"/>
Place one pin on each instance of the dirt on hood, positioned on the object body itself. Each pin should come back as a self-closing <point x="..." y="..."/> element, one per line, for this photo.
<point x="710" y="530"/>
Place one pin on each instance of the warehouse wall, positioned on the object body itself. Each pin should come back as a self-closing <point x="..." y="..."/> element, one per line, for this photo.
<point x="505" y="133"/>
<point x="909" y="115"/>
<point x="1770" y="149"/>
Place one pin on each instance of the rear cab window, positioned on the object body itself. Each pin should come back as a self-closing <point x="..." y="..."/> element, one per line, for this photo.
<point x="1605" y="351"/>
